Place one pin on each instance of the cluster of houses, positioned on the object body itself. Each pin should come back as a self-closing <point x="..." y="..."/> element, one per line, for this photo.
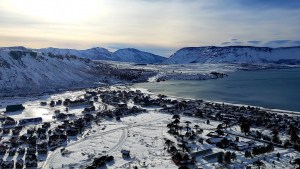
<point x="231" y="115"/>
<point x="228" y="115"/>
<point x="223" y="140"/>
<point x="37" y="141"/>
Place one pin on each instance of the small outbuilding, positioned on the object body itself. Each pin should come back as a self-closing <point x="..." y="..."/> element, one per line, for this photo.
<point x="125" y="153"/>
<point x="14" y="108"/>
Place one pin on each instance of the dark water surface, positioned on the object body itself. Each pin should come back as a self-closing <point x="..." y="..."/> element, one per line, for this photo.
<point x="276" y="88"/>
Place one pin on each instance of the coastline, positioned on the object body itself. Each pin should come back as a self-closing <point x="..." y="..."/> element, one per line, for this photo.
<point x="281" y="111"/>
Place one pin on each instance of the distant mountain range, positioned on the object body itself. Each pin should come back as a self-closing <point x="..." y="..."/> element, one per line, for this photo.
<point x="121" y="55"/>
<point x="24" y="70"/>
<point x="187" y="55"/>
<point x="207" y="54"/>
<point x="235" y="54"/>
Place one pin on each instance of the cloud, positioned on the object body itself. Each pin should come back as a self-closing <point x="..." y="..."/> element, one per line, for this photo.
<point x="282" y="43"/>
<point x="266" y="4"/>
<point x="225" y="43"/>
<point x="271" y="43"/>
<point x="136" y="23"/>
<point x="254" y="42"/>
<point x="232" y="42"/>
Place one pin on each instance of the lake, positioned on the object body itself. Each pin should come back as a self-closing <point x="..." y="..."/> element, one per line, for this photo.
<point x="272" y="88"/>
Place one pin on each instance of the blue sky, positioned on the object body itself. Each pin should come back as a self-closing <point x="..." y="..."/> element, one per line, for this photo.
<point x="157" y="26"/>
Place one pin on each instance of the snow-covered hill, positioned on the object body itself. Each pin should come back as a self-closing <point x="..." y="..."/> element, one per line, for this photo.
<point x="235" y="54"/>
<point x="122" y="55"/>
<point x="93" y="53"/>
<point x="25" y="71"/>
<point x="136" y="56"/>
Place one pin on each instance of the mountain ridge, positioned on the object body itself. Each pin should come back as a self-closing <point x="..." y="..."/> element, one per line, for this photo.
<point x="235" y="54"/>
<point x="185" y="55"/>
<point x="97" y="53"/>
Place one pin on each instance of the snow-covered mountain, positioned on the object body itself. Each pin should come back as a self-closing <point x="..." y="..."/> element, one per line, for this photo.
<point x="136" y="56"/>
<point x="122" y="55"/>
<point x="235" y="54"/>
<point x="25" y="71"/>
<point x="93" y="53"/>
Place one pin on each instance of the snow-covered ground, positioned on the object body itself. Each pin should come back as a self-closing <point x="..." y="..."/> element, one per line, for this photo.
<point x="196" y="71"/>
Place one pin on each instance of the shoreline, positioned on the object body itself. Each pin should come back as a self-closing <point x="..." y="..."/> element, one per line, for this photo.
<point x="281" y="111"/>
<point x="131" y="86"/>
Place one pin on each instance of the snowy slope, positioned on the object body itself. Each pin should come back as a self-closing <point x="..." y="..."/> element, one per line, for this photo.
<point x="25" y="71"/>
<point x="122" y="55"/>
<point x="136" y="56"/>
<point x="235" y="54"/>
<point x="93" y="53"/>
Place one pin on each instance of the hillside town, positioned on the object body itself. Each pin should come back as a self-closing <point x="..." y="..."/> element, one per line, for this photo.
<point x="186" y="133"/>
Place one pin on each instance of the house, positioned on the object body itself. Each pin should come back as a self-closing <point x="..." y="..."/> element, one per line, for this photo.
<point x="214" y="140"/>
<point x="125" y="153"/>
<point x="61" y="116"/>
<point x="79" y="102"/>
<point x="14" y="108"/>
<point x="2" y="151"/>
<point x="42" y="151"/>
<point x="12" y="151"/>
<point x="52" y="103"/>
<point x="212" y="156"/>
<point x="202" y="152"/>
<point x="6" y="131"/>
<point x="240" y="146"/>
<point x="19" y="164"/>
<point x="30" y="120"/>
<point x="8" y="164"/>
<point x="66" y="102"/>
<point x="16" y="131"/>
<point x="31" y="163"/>
<point x="9" y="121"/>
<point x="72" y="131"/>
<point x="122" y="105"/>
<point x="92" y="93"/>
<point x="181" y="158"/>
<point x="21" y="151"/>
<point x="59" y="102"/>
<point x="89" y="109"/>
<point x="31" y="150"/>
<point x="46" y="125"/>
<point x="43" y="103"/>
<point x="217" y="133"/>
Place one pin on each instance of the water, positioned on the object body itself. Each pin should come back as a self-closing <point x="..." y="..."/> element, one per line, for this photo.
<point x="276" y="88"/>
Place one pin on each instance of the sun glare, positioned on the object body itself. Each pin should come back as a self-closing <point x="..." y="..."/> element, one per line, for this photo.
<point x="65" y="11"/>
